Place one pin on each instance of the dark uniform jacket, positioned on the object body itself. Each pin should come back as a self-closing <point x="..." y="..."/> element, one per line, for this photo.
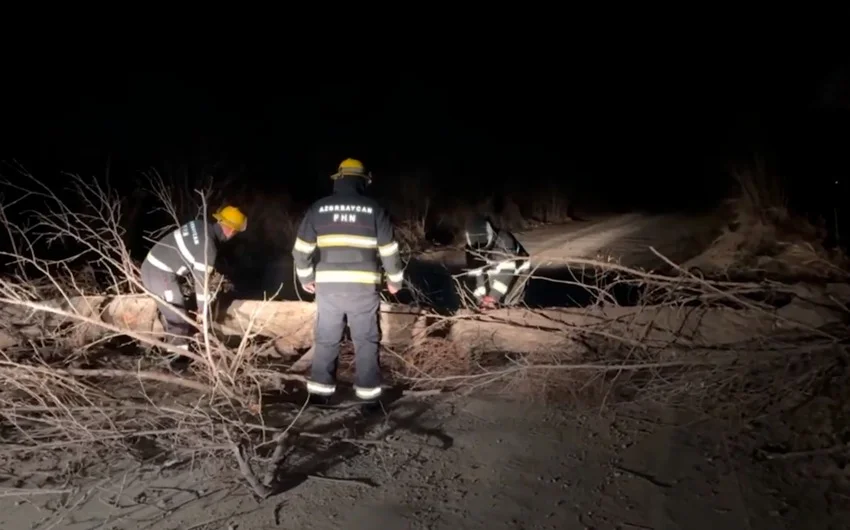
<point x="494" y="268"/>
<point x="341" y="240"/>
<point x="191" y="249"/>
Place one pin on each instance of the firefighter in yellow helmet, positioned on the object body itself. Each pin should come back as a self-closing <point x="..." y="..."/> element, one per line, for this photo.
<point x="343" y="242"/>
<point x="351" y="167"/>
<point x="189" y="250"/>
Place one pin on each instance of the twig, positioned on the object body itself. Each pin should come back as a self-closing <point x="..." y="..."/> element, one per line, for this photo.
<point x="280" y="449"/>
<point x="24" y="492"/>
<point x="638" y="525"/>
<point x="422" y="393"/>
<point x="358" y="441"/>
<point x="245" y="468"/>
<point x="802" y="454"/>
<point x="151" y="376"/>
<point x="730" y="296"/>
<point x="645" y="476"/>
<point x="209" y="521"/>
<point x="346" y="481"/>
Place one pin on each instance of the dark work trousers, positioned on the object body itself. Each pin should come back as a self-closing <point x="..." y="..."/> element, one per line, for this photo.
<point x="166" y="285"/>
<point x="362" y="310"/>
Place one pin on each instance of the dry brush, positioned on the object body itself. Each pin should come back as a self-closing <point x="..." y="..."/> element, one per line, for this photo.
<point x="64" y="386"/>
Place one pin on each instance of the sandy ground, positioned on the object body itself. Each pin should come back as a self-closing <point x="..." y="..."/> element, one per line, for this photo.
<point x="439" y="462"/>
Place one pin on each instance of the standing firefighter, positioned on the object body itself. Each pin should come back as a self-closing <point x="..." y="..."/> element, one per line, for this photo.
<point x="494" y="258"/>
<point x="187" y="250"/>
<point x="351" y="231"/>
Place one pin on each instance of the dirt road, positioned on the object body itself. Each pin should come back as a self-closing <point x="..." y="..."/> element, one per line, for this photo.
<point x="454" y="462"/>
<point x="624" y="239"/>
<point x="434" y="463"/>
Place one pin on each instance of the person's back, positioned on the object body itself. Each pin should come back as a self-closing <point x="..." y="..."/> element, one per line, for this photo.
<point x="191" y="249"/>
<point x="187" y="248"/>
<point x="347" y="226"/>
<point x="337" y="250"/>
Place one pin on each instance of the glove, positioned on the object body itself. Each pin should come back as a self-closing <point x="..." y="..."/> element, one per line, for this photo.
<point x="488" y="302"/>
<point x="199" y="320"/>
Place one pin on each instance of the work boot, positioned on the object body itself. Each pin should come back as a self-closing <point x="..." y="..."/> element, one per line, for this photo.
<point x="371" y="407"/>
<point x="180" y="363"/>
<point x="381" y="404"/>
<point x="176" y="361"/>
<point x="318" y="400"/>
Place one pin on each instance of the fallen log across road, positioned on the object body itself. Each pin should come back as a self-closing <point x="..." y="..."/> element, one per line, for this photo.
<point x="290" y="323"/>
<point x="538" y="331"/>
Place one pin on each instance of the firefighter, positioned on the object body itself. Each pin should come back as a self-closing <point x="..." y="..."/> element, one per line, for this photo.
<point x="494" y="259"/>
<point x="339" y="244"/>
<point x="180" y="254"/>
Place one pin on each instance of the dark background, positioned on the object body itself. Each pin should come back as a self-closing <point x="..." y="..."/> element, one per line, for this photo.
<point x="616" y="125"/>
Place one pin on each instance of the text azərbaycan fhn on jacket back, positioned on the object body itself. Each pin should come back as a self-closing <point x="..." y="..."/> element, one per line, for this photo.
<point x="343" y="240"/>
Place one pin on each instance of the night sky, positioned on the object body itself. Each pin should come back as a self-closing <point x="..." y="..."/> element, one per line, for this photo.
<point x="627" y="125"/>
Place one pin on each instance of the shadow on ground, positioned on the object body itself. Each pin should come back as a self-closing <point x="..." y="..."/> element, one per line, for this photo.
<point x="327" y="436"/>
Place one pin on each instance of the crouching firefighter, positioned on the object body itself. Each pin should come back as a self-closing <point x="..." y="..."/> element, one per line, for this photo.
<point x="336" y="254"/>
<point x="189" y="250"/>
<point x="495" y="261"/>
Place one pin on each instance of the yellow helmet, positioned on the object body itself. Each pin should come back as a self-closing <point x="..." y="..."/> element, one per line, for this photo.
<point x="351" y="167"/>
<point x="232" y="217"/>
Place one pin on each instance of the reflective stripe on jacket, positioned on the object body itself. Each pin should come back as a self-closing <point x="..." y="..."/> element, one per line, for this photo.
<point x="344" y="240"/>
<point x="191" y="249"/>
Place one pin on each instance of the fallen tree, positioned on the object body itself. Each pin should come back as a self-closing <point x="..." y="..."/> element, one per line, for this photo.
<point x="290" y="324"/>
<point x="530" y="331"/>
<point x="689" y="338"/>
<point x="90" y="318"/>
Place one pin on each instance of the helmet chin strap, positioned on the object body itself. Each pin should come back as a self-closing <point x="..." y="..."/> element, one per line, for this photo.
<point x="491" y="234"/>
